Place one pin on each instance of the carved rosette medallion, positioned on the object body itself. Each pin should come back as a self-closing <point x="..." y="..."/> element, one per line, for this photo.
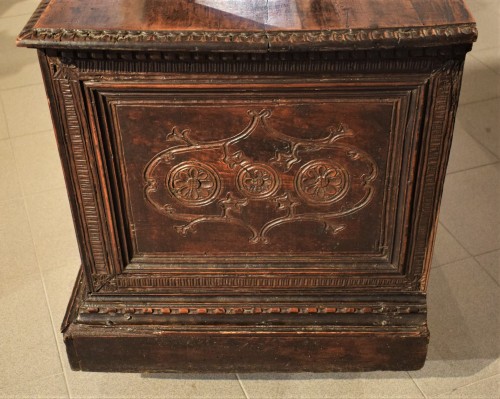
<point x="258" y="181"/>
<point x="321" y="182"/>
<point x="193" y="183"/>
<point x="301" y="180"/>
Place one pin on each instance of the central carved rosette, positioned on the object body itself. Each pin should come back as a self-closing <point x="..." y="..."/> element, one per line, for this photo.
<point x="301" y="180"/>
<point x="257" y="181"/>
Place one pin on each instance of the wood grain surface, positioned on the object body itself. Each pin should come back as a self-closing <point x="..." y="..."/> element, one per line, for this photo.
<point x="259" y="25"/>
<point x="253" y="15"/>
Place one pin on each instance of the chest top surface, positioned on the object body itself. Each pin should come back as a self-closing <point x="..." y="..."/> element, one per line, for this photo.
<point x="260" y="25"/>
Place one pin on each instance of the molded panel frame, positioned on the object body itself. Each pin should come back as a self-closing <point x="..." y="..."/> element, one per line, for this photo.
<point x="100" y="245"/>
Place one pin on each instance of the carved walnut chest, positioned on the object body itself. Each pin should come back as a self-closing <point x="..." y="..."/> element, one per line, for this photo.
<point x="254" y="184"/>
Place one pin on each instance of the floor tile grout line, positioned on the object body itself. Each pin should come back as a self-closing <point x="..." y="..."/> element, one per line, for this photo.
<point x="24" y="196"/>
<point x="30" y="134"/>
<point x="63" y="187"/>
<point x="28" y="14"/>
<point x="467" y="385"/>
<point x="459" y="243"/>
<point x="19" y="180"/>
<point x="418" y="387"/>
<point x="471" y="256"/>
<point x="46" y="131"/>
<point x="3" y="90"/>
<point x="474" y="257"/>
<point x="42" y="278"/>
<point x="483" y="146"/>
<point x="483" y="100"/>
<point x="455" y="238"/>
<point x="4" y="114"/>
<point x="22" y="86"/>
<point x="487" y="271"/>
<point x="247" y="396"/>
<point x="487" y="252"/>
<point x="472" y="168"/>
<point x="486" y="65"/>
<point x="451" y="262"/>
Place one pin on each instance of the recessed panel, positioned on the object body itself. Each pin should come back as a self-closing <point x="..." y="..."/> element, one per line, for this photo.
<point x="249" y="179"/>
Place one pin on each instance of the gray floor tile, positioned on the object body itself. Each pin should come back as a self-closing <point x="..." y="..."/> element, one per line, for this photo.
<point x="482" y="121"/>
<point x="466" y="152"/>
<point x="17" y="253"/>
<point x="464" y="324"/>
<point x="27" y="110"/>
<point x="38" y="162"/>
<point x="491" y="263"/>
<point x="330" y="385"/>
<point x="10" y="8"/>
<point x="490" y="58"/>
<point x="164" y="386"/>
<point x="4" y="133"/>
<point x="476" y="5"/>
<point x="27" y="343"/>
<point x="53" y="230"/>
<point x="470" y="209"/>
<point x="10" y="185"/>
<point x="20" y="68"/>
<point x="446" y="248"/>
<point x="487" y="19"/>
<point x="479" y="82"/>
<point x="53" y="387"/>
<point x="59" y="285"/>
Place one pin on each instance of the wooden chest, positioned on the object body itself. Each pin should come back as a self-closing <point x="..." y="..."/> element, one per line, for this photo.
<point x="254" y="184"/>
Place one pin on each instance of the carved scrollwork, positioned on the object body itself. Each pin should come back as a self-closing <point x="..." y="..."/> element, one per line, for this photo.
<point x="316" y="182"/>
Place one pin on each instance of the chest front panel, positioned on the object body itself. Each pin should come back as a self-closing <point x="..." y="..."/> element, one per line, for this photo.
<point x="265" y="178"/>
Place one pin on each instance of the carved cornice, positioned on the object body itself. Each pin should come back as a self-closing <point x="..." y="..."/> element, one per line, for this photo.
<point x="233" y="40"/>
<point x="369" y="38"/>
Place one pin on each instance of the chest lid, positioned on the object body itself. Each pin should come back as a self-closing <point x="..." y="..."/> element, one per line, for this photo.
<point x="243" y="25"/>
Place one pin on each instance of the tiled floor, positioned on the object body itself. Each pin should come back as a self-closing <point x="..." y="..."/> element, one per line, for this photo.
<point x="37" y="242"/>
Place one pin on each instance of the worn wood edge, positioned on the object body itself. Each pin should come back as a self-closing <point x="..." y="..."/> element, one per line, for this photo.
<point x="263" y="41"/>
<point x="73" y="305"/>
<point x="92" y="348"/>
<point x="30" y="25"/>
<point x="244" y="41"/>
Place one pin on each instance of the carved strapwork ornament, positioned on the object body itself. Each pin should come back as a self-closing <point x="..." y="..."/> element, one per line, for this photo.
<point x="302" y="181"/>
